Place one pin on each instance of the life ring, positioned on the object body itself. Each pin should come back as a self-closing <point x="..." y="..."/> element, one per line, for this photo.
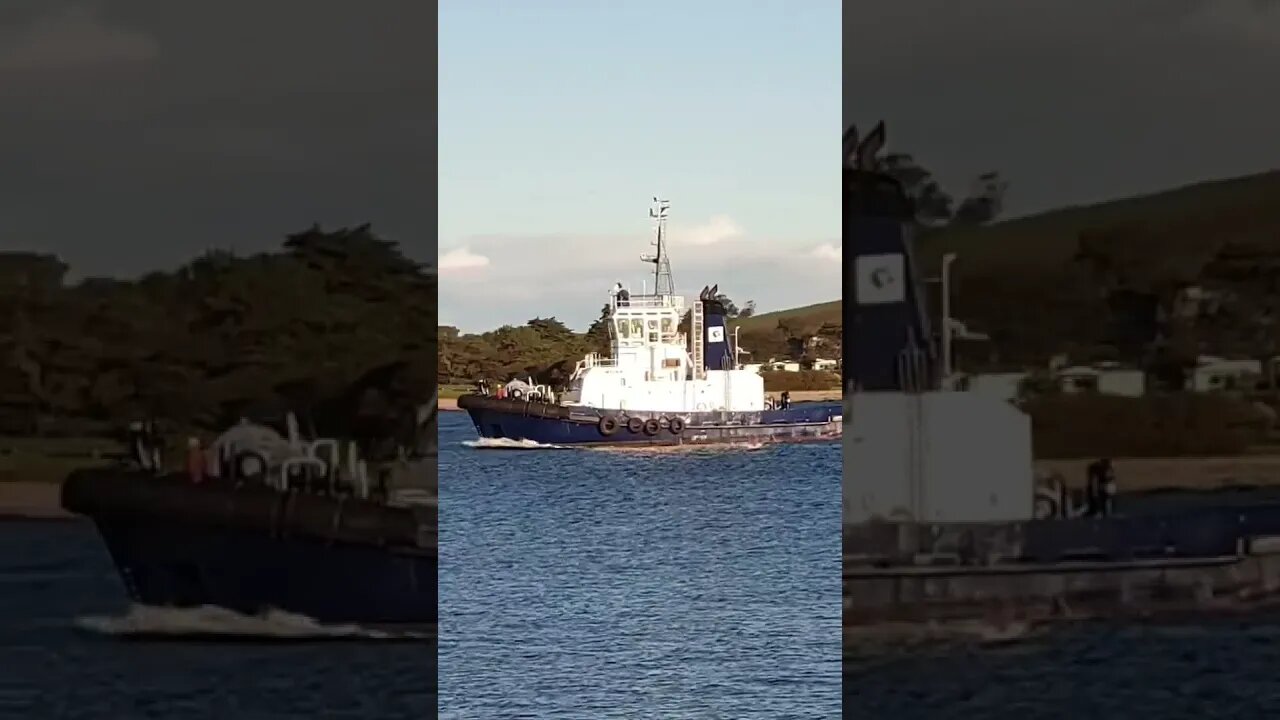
<point x="652" y="426"/>
<point x="635" y="424"/>
<point x="677" y="425"/>
<point x="608" y="425"/>
<point x="516" y="393"/>
<point x="244" y="466"/>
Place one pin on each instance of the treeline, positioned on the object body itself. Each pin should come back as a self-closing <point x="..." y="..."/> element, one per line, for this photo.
<point x="544" y="349"/>
<point x="337" y="326"/>
<point x="547" y="351"/>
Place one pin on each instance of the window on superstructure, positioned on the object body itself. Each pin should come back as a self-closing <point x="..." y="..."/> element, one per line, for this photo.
<point x="637" y="328"/>
<point x="624" y="331"/>
<point x="668" y="327"/>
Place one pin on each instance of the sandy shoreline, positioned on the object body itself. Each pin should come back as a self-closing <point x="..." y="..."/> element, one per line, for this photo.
<point x="31" y="501"/>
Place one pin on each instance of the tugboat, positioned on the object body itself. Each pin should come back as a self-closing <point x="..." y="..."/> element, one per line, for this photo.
<point x="267" y="521"/>
<point x="943" y="516"/>
<point x="657" y="387"/>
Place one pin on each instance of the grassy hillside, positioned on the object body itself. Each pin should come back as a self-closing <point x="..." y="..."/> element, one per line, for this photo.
<point x="1047" y="240"/>
<point x="1095" y="280"/>
<point x="827" y="312"/>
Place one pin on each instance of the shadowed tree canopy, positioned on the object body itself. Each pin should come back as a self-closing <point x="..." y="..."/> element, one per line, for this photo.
<point x="547" y="351"/>
<point x="331" y="326"/>
<point x="935" y="207"/>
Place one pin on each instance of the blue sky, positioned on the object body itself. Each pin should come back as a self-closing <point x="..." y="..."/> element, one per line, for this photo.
<point x="559" y="120"/>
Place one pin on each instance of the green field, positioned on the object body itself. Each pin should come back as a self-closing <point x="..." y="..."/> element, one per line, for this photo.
<point x="453" y="392"/>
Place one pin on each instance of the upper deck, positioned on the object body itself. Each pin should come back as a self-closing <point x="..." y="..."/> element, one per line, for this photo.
<point x="631" y="303"/>
<point x="641" y="320"/>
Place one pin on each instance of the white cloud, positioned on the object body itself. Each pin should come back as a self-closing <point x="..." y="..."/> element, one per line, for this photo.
<point x="71" y="38"/>
<point x="461" y="259"/>
<point x="716" y="230"/>
<point x="828" y="251"/>
<point x="569" y="276"/>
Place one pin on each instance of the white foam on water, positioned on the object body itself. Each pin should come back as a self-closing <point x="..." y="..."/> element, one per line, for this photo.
<point x="897" y="636"/>
<point x="509" y="444"/>
<point x="209" y="621"/>
<point x="688" y="448"/>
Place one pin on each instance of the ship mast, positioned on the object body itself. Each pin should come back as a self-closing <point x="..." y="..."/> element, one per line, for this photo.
<point x="662" y="282"/>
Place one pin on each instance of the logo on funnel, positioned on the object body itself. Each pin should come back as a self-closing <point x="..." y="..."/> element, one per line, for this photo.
<point x="879" y="279"/>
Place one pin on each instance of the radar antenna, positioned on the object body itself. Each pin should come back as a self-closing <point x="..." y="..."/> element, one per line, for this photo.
<point x="662" y="282"/>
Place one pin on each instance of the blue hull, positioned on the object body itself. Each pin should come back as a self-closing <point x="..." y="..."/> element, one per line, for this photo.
<point x="1162" y="524"/>
<point x="182" y="566"/>
<point x="514" y="421"/>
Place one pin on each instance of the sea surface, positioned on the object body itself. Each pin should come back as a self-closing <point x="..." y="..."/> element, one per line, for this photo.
<point x="600" y="584"/>
<point x="69" y="649"/>
<point x="1222" y="668"/>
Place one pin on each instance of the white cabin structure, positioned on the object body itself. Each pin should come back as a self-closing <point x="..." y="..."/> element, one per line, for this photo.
<point x="653" y="366"/>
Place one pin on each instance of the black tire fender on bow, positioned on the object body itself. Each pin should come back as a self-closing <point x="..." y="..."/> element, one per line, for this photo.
<point x="635" y="425"/>
<point x="652" y="426"/>
<point x="677" y="425"/>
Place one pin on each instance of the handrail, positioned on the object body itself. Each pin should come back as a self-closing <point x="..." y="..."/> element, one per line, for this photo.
<point x="644" y="301"/>
<point x="298" y="461"/>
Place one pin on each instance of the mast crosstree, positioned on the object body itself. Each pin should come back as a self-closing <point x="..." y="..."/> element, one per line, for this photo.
<point x="663" y="284"/>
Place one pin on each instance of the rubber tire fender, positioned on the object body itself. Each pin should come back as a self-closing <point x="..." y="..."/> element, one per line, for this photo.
<point x="677" y="425"/>
<point x="635" y="425"/>
<point x="652" y="426"/>
<point x="608" y="425"/>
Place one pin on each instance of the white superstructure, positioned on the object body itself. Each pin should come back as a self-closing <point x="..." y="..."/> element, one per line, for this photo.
<point x="652" y="365"/>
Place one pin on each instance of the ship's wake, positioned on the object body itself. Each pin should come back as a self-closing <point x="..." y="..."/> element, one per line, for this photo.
<point x="509" y="444"/>
<point x="893" y="638"/>
<point x="687" y="448"/>
<point x="210" y="623"/>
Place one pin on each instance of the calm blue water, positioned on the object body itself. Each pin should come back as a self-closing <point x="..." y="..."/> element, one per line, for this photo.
<point x="51" y="666"/>
<point x="602" y="584"/>
<point x="1218" y="669"/>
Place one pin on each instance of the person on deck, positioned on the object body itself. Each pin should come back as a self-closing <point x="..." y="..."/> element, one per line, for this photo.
<point x="1101" y="488"/>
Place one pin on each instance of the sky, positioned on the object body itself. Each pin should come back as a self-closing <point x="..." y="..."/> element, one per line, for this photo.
<point x="561" y="120"/>
<point x="1072" y="101"/>
<point x="136" y="134"/>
